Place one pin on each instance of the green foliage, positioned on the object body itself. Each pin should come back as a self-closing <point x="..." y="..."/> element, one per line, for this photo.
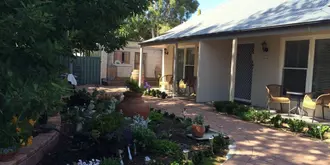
<point x="172" y="115"/>
<point x="110" y="161"/>
<point x="226" y="106"/>
<point x="277" y="121"/>
<point x="167" y="148"/>
<point x="144" y="137"/>
<point x="261" y="116"/>
<point x="187" y="122"/>
<point x="155" y="116"/>
<point x="198" y="158"/>
<point x="158" y="93"/>
<point x="296" y="125"/>
<point x="314" y="131"/>
<point x="133" y="86"/>
<point x="157" y="19"/>
<point x="107" y="123"/>
<point x="199" y="120"/>
<point x="153" y="93"/>
<point x="220" y="143"/>
<point x="165" y="114"/>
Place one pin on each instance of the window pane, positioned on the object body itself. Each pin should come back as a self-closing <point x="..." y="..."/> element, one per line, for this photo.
<point x="190" y="58"/>
<point x="122" y="57"/>
<point x="179" y="64"/>
<point x="296" y="54"/>
<point x="294" y="80"/>
<point x="189" y="72"/>
<point x="321" y="72"/>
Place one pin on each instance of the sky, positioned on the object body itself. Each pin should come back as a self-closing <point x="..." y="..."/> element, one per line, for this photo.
<point x="208" y="4"/>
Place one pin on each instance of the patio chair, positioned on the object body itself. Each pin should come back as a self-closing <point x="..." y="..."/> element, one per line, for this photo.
<point x="322" y="100"/>
<point x="168" y="81"/>
<point x="275" y="95"/>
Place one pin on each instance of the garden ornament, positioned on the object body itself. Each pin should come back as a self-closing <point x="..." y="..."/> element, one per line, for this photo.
<point x="185" y="153"/>
<point x="129" y="153"/>
<point x="147" y="160"/>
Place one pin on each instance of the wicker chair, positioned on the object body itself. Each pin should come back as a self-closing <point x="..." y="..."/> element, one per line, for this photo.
<point x="322" y="100"/>
<point x="275" y="95"/>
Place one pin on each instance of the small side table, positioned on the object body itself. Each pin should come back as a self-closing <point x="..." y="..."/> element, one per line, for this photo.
<point x="298" y="96"/>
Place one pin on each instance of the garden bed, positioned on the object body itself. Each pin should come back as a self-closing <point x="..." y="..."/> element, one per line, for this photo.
<point x="168" y="129"/>
<point x="162" y="138"/>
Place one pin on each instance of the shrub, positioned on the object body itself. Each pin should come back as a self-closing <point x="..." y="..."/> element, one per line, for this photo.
<point x="187" y="122"/>
<point x="110" y="161"/>
<point x="198" y="157"/>
<point x="172" y="115"/>
<point x="315" y="132"/>
<point x="158" y="93"/>
<point x="165" y="114"/>
<point x="220" y="143"/>
<point x="153" y="93"/>
<point x="167" y="148"/>
<point x="296" y="125"/>
<point x="220" y="105"/>
<point x="240" y="109"/>
<point x="133" y="86"/>
<point x="277" y="121"/>
<point x="155" y="116"/>
<point x="107" y="123"/>
<point x="143" y="136"/>
<point x="261" y="116"/>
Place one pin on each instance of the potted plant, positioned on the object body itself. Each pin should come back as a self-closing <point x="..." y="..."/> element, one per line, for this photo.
<point x="133" y="103"/>
<point x="198" y="128"/>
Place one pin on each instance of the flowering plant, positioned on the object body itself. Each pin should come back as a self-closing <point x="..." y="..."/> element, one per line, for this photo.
<point x="147" y="86"/>
<point x="15" y="134"/>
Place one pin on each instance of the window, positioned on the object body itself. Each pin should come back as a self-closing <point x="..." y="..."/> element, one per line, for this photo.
<point x="121" y="57"/>
<point x="189" y="63"/>
<point x="137" y="60"/>
<point x="321" y="72"/>
<point x="295" y="65"/>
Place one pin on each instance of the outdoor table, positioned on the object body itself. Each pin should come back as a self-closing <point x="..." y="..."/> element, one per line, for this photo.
<point x="298" y="97"/>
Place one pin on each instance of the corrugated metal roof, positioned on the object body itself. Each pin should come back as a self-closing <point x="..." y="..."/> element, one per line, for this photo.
<point x="245" y="15"/>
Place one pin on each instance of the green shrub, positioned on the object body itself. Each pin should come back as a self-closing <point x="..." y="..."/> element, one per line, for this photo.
<point x="172" y="115"/>
<point x="240" y="109"/>
<point x="315" y="132"/>
<point x="198" y="157"/>
<point x="230" y="108"/>
<point x="110" y="161"/>
<point x="261" y="116"/>
<point x="144" y="137"/>
<point x="220" y="143"/>
<point x="155" y="116"/>
<point x="296" y="125"/>
<point x="165" y="114"/>
<point x="133" y="86"/>
<point x="220" y="105"/>
<point x="167" y="148"/>
<point x="153" y="93"/>
<point x="187" y="122"/>
<point x="277" y="121"/>
<point x="107" y="123"/>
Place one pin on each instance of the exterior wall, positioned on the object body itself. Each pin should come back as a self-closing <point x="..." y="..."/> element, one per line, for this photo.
<point x="214" y="71"/>
<point x="153" y="59"/>
<point x="169" y="60"/>
<point x="266" y="67"/>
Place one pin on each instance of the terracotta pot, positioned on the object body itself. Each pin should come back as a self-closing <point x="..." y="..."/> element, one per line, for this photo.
<point x="198" y="130"/>
<point x="7" y="157"/>
<point x="133" y="105"/>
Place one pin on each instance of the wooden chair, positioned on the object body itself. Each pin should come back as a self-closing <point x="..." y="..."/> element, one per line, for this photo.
<point x="275" y="95"/>
<point x="322" y="100"/>
<point x="168" y="81"/>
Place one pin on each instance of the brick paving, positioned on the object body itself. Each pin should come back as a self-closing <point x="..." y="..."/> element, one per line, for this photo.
<point x="256" y="145"/>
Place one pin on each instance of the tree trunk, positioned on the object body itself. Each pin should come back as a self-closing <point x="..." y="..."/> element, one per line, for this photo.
<point x="153" y="32"/>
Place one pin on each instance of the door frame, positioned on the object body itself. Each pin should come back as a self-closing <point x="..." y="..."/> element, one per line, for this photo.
<point x="254" y="48"/>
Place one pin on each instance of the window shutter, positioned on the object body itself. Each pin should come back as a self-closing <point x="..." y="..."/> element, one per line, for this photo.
<point x="321" y="72"/>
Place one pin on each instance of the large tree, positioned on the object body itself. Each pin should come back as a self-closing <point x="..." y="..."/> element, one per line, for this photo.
<point x="161" y="16"/>
<point x="34" y="33"/>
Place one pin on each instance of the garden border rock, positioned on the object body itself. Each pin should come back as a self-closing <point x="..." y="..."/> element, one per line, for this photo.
<point x="42" y="144"/>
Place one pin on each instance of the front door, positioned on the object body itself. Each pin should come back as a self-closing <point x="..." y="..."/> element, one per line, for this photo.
<point x="244" y="69"/>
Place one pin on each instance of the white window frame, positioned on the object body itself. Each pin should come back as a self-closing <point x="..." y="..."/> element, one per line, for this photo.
<point x="311" y="56"/>
<point x="185" y="47"/>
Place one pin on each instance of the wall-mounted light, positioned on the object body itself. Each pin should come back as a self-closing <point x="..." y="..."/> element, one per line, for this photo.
<point x="166" y="51"/>
<point x="264" y="46"/>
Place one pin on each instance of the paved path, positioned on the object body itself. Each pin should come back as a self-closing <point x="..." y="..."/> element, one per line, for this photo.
<point x="256" y="145"/>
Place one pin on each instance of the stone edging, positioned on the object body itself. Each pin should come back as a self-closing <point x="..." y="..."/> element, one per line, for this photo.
<point x="42" y="144"/>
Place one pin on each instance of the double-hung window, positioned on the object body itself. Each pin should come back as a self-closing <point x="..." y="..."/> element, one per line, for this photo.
<point x="295" y="65"/>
